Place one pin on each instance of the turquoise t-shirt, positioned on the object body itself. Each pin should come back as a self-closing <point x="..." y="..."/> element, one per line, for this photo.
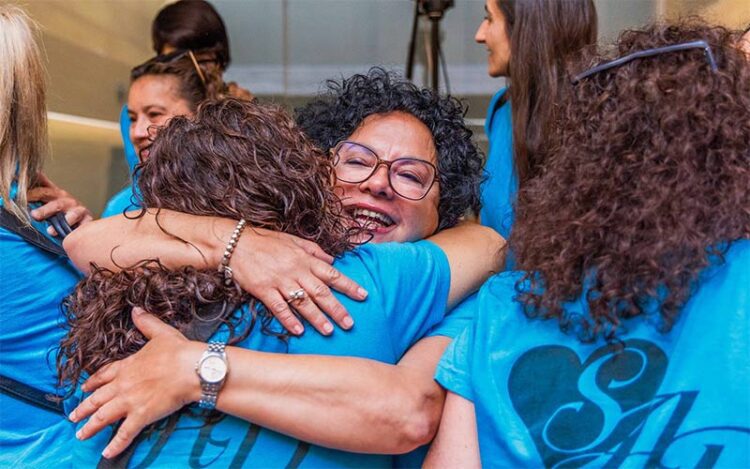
<point x="408" y="288"/>
<point x="500" y="188"/>
<point x="33" y="284"/>
<point x="124" y="200"/>
<point x="542" y="397"/>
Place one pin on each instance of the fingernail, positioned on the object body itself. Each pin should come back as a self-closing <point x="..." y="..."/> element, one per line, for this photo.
<point x="362" y="292"/>
<point x="328" y="328"/>
<point x="298" y="329"/>
<point x="348" y="322"/>
<point x="72" y="417"/>
<point x="137" y="311"/>
<point x="106" y="453"/>
<point x="34" y="213"/>
<point x="78" y="434"/>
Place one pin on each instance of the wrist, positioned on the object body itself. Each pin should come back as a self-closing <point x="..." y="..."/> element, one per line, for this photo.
<point x="191" y="352"/>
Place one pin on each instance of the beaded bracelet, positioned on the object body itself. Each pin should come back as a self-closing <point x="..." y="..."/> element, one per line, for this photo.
<point x="224" y="264"/>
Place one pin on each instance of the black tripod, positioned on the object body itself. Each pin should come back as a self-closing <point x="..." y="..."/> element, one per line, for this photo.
<point x="434" y="10"/>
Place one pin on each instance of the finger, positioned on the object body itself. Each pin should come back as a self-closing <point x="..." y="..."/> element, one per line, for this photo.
<point x="47" y="210"/>
<point x="320" y="294"/>
<point x="107" y="414"/>
<point x="339" y="282"/>
<point x="278" y="306"/>
<point x="307" y="308"/>
<point x="103" y="376"/>
<point x="75" y="215"/>
<point x="125" y="435"/>
<point x="312" y="249"/>
<point x="150" y="325"/>
<point x="92" y="403"/>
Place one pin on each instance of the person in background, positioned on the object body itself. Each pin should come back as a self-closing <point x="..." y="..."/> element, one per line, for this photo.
<point x="624" y="340"/>
<point x="34" y="271"/>
<point x="528" y="43"/>
<point x="240" y="159"/>
<point x="185" y="25"/>
<point x="162" y="88"/>
<point x="373" y="120"/>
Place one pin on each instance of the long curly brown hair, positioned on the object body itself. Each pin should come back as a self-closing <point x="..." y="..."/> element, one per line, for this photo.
<point x="234" y="159"/>
<point x="647" y="182"/>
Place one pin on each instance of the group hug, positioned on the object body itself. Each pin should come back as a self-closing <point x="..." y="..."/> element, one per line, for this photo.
<point x="355" y="284"/>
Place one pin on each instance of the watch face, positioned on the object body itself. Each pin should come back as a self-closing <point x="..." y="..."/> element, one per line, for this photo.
<point x="213" y="369"/>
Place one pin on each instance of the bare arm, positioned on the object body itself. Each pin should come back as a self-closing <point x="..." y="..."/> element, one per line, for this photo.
<point x="457" y="443"/>
<point x="178" y="239"/>
<point x="347" y="403"/>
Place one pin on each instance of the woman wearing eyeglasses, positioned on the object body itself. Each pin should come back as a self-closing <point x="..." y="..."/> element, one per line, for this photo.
<point x="528" y="42"/>
<point x="391" y="133"/>
<point x="624" y="341"/>
<point x="235" y="158"/>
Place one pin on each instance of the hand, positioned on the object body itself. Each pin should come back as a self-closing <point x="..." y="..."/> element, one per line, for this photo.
<point x="56" y="200"/>
<point x="270" y="265"/>
<point x="149" y="385"/>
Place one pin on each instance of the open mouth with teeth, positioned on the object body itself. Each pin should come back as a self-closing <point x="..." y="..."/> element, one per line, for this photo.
<point x="371" y="220"/>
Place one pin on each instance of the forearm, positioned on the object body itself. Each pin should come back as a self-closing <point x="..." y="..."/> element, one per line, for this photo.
<point x="350" y="404"/>
<point x="474" y="253"/>
<point x="176" y="239"/>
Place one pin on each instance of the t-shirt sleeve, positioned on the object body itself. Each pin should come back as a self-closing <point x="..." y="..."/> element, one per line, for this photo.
<point x="453" y="370"/>
<point x="456" y="320"/>
<point x="415" y="281"/>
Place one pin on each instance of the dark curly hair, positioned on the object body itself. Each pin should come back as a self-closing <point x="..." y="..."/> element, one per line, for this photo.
<point x="337" y="114"/>
<point x="234" y="159"/>
<point x="646" y="182"/>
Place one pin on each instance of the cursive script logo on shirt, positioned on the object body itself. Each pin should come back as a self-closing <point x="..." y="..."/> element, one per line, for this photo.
<point x="606" y="410"/>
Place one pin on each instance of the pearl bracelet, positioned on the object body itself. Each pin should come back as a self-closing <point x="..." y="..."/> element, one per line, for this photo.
<point x="224" y="264"/>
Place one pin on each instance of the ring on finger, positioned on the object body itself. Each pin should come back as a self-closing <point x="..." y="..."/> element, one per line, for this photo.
<point x="296" y="295"/>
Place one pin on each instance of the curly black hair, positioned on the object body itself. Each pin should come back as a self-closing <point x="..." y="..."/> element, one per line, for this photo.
<point x="338" y="113"/>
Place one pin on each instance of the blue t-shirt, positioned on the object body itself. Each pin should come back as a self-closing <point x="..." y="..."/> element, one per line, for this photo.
<point x="124" y="200"/>
<point x="500" y="187"/>
<point x="33" y="284"/>
<point x="408" y="287"/>
<point x="542" y="397"/>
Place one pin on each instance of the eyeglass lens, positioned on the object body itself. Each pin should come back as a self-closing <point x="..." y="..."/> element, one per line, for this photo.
<point x="410" y="178"/>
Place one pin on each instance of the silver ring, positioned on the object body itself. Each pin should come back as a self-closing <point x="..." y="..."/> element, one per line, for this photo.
<point x="296" y="295"/>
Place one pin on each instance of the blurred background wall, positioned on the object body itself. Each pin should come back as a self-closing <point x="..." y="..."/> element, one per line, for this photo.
<point x="282" y="50"/>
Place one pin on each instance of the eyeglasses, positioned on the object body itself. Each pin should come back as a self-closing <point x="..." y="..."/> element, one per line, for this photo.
<point x="650" y="53"/>
<point x="409" y="177"/>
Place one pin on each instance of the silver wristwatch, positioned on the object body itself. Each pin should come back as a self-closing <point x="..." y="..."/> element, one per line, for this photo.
<point x="212" y="369"/>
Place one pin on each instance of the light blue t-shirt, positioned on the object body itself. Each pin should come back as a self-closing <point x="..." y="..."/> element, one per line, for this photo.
<point x="124" y="200"/>
<point x="33" y="284"/>
<point x="542" y="397"/>
<point x="408" y="288"/>
<point x="500" y="188"/>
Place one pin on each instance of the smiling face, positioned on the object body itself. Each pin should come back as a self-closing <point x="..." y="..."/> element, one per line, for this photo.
<point x="493" y="34"/>
<point x="373" y="203"/>
<point x="152" y="101"/>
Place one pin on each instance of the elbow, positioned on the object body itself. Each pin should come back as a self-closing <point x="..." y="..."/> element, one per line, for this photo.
<point x="74" y="246"/>
<point x="420" y="422"/>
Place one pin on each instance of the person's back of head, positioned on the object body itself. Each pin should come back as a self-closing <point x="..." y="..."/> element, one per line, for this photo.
<point x="543" y="35"/>
<point x="191" y="24"/>
<point x="233" y="159"/>
<point x="23" y="116"/>
<point x="646" y="184"/>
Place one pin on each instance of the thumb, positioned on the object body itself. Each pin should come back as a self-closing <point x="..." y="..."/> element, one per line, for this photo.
<point x="150" y="325"/>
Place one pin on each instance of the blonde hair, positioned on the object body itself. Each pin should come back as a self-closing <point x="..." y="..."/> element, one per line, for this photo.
<point x="23" y="115"/>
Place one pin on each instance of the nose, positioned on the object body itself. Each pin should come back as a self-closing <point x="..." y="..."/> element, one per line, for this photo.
<point x="139" y="129"/>
<point x="479" y="36"/>
<point x="377" y="184"/>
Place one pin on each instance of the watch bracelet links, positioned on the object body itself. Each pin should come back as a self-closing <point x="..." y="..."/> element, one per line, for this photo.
<point x="210" y="391"/>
